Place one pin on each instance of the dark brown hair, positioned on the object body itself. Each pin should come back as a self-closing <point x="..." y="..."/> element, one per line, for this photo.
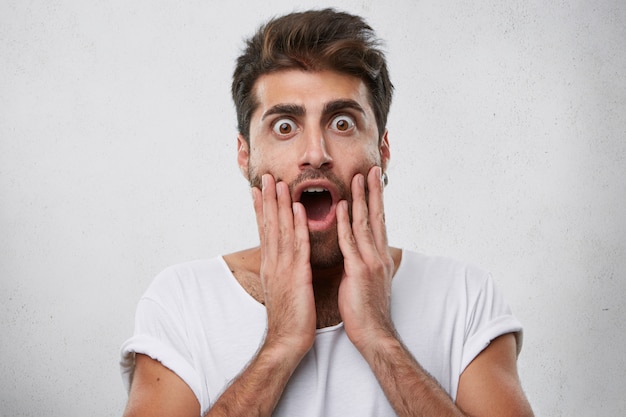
<point x="312" y="41"/>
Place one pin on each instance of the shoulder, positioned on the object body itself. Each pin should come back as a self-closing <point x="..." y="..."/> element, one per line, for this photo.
<point x="247" y="260"/>
<point x="187" y="277"/>
<point x="245" y="266"/>
<point x="440" y="271"/>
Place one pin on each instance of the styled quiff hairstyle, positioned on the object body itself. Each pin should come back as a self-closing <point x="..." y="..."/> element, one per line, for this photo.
<point x="313" y="41"/>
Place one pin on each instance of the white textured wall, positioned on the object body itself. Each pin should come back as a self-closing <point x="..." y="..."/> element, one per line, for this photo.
<point x="117" y="158"/>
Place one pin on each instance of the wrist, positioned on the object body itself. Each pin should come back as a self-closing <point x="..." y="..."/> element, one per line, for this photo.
<point x="284" y="352"/>
<point x="377" y="341"/>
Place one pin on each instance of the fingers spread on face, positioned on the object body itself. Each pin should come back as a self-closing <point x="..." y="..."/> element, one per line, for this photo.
<point x="270" y="217"/>
<point x="285" y="218"/>
<point x="347" y="243"/>
<point x="257" y="201"/>
<point x="361" y="227"/>
<point x="301" y="233"/>
<point x="366" y="234"/>
<point x="282" y="225"/>
<point x="376" y="208"/>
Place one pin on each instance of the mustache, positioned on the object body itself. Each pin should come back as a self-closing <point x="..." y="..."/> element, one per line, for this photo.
<point x="309" y="175"/>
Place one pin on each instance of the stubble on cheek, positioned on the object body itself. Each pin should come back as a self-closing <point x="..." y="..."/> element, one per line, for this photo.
<point x="254" y="178"/>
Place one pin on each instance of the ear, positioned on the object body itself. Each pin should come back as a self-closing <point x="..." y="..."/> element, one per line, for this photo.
<point x="243" y="155"/>
<point x="385" y="154"/>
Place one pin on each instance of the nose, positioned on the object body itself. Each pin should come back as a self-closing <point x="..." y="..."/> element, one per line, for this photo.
<point x="315" y="151"/>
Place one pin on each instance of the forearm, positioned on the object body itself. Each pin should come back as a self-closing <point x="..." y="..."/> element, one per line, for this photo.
<point x="256" y="391"/>
<point x="408" y="387"/>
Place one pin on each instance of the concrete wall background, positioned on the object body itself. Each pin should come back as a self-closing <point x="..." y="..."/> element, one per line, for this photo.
<point x="117" y="158"/>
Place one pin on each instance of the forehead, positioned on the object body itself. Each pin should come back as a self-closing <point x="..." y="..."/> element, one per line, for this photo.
<point x="309" y="89"/>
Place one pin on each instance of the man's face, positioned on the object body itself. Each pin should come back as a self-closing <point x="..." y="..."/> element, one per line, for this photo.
<point x="314" y="131"/>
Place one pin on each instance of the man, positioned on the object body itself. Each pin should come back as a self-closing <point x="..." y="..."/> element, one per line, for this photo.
<point x="323" y="318"/>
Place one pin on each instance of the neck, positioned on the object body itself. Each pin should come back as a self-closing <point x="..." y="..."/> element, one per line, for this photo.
<point x="326" y="289"/>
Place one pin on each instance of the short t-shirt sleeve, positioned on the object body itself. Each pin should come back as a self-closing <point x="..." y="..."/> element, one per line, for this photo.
<point x="488" y="317"/>
<point x="160" y="333"/>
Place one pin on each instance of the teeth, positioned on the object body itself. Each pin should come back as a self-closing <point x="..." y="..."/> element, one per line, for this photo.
<point x="315" y="190"/>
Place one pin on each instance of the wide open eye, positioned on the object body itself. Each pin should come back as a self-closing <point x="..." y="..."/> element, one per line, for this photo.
<point x="284" y="127"/>
<point x="342" y="123"/>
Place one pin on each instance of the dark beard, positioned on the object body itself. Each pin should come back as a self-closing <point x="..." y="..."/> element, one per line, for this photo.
<point x="325" y="250"/>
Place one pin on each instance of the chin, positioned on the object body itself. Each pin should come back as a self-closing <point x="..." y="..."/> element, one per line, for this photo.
<point x="325" y="251"/>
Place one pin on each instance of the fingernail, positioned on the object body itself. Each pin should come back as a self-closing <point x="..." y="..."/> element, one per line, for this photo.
<point x="279" y="189"/>
<point x="264" y="180"/>
<point x="361" y="180"/>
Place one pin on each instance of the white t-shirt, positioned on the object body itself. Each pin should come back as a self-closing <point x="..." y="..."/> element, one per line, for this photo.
<point x="199" y="322"/>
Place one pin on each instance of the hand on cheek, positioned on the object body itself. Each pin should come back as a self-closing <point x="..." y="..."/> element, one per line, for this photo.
<point x="285" y="267"/>
<point x="365" y="290"/>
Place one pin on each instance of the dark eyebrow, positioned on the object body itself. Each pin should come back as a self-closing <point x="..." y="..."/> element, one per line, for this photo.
<point x="329" y="108"/>
<point x="286" y="109"/>
<point x="338" y="105"/>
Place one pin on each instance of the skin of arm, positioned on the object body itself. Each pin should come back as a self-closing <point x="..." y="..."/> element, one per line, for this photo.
<point x="158" y="392"/>
<point x="488" y="387"/>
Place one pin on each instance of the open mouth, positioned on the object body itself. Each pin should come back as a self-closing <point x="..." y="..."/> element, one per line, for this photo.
<point x="317" y="201"/>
